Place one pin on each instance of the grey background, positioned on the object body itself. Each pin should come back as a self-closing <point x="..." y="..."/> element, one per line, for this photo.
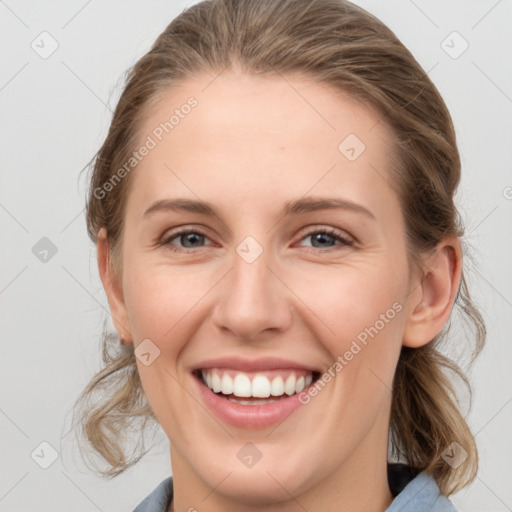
<point x="54" y="115"/>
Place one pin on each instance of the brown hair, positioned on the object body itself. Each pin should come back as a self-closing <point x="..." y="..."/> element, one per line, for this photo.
<point x="340" y="44"/>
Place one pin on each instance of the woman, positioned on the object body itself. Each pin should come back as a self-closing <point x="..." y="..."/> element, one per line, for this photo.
<point x="277" y="237"/>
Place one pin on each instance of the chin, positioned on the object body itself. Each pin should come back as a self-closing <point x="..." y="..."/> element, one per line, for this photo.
<point x="270" y="481"/>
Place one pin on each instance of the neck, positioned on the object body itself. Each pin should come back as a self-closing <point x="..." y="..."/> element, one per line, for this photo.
<point x="360" y="483"/>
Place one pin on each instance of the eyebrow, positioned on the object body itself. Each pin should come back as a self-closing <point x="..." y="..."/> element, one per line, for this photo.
<point x="303" y="205"/>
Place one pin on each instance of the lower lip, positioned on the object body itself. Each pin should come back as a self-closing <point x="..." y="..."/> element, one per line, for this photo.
<point x="248" y="416"/>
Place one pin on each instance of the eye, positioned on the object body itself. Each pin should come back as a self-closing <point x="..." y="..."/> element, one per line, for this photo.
<point x="187" y="239"/>
<point x="327" y="238"/>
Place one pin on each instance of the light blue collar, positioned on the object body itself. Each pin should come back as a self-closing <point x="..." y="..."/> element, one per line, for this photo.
<point x="420" y="495"/>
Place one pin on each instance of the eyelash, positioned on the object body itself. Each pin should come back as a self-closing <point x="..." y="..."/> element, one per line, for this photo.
<point x="328" y="231"/>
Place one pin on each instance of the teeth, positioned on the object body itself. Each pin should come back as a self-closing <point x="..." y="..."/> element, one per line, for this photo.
<point x="299" y="386"/>
<point x="227" y="384"/>
<point x="241" y="385"/>
<point x="277" y="387"/>
<point x="216" y="383"/>
<point x="289" y="385"/>
<point x="260" y="386"/>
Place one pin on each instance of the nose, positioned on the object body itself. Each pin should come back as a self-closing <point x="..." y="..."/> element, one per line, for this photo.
<point x="252" y="300"/>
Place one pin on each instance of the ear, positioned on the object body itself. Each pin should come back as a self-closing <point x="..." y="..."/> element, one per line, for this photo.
<point x="434" y="296"/>
<point x="113" y="288"/>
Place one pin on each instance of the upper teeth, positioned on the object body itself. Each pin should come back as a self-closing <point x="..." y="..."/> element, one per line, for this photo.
<point x="255" y="385"/>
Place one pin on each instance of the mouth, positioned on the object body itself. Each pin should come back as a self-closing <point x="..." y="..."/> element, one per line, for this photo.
<point x="253" y="393"/>
<point x="255" y="388"/>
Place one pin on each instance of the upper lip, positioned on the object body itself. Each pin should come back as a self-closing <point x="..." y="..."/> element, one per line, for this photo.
<point x="252" y="365"/>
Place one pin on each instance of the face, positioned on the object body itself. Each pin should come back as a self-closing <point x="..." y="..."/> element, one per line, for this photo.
<point x="264" y="250"/>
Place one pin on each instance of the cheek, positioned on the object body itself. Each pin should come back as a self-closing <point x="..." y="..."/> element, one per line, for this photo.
<point x="357" y="313"/>
<point x="159" y="298"/>
<point x="164" y="304"/>
<point x="347" y="299"/>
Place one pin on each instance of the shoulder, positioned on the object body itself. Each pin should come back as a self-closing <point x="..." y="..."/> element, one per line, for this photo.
<point x="159" y="500"/>
<point x="421" y="494"/>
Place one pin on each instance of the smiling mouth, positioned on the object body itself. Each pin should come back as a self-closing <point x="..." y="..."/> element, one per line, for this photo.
<point x="256" y="388"/>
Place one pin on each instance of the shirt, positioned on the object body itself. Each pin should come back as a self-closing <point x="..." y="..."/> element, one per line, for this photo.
<point x="413" y="492"/>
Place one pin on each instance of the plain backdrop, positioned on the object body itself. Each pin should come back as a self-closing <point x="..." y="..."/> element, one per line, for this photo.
<point x="55" y="111"/>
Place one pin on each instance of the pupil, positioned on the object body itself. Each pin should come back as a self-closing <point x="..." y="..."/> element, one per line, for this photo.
<point x="322" y="238"/>
<point x="190" y="239"/>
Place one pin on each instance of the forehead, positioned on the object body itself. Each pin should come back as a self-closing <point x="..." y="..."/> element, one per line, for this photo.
<point x="235" y="133"/>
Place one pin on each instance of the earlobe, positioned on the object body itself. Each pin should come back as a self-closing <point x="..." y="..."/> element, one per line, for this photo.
<point x="113" y="288"/>
<point x="433" y="300"/>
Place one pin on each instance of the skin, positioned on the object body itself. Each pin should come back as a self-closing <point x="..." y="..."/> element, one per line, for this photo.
<point x="251" y="145"/>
